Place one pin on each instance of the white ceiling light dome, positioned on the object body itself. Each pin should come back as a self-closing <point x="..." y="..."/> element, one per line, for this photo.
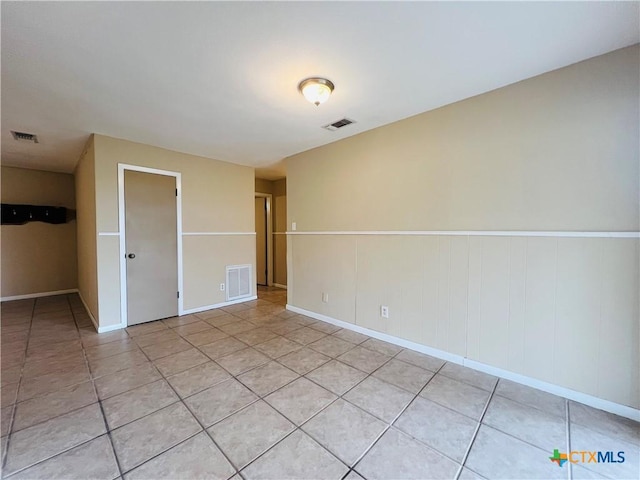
<point x="316" y="90"/>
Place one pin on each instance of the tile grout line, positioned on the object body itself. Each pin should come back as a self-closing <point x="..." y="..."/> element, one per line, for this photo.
<point x="66" y="413"/>
<point x="259" y="396"/>
<point x="57" y="416"/>
<point x="181" y="400"/>
<point x="476" y="420"/>
<point x="52" y="457"/>
<point x="72" y="410"/>
<point x="262" y="397"/>
<point x="297" y="427"/>
<point x="477" y="429"/>
<point x="108" y="431"/>
<point x="390" y="425"/>
<point x="95" y="391"/>
<point x="234" y="377"/>
<point x="15" y="402"/>
<point x="341" y="397"/>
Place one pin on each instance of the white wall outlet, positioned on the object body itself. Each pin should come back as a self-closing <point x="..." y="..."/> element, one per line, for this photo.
<point x="294" y="226"/>
<point x="222" y="287"/>
<point x="325" y="297"/>
<point x="384" y="311"/>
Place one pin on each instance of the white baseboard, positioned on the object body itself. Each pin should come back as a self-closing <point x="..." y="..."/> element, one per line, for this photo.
<point x="595" y="402"/>
<point x="449" y="357"/>
<point x="111" y="328"/>
<point x="86" y="307"/>
<point x="279" y="285"/>
<point x="38" y="295"/>
<point x="218" y="305"/>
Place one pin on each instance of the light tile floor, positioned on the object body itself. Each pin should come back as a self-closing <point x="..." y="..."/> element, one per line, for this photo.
<point x="254" y="391"/>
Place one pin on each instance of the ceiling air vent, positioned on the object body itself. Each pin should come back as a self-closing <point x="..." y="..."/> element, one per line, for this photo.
<point x="332" y="127"/>
<point x="24" y="137"/>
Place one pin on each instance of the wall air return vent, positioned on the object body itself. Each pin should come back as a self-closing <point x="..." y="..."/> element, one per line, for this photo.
<point x="238" y="281"/>
<point x="24" y="137"/>
<point x="332" y="127"/>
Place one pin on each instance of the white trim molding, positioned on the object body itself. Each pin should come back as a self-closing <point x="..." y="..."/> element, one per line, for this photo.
<point x="38" y="295"/>
<point x="269" y="237"/>
<point x="606" y="405"/>
<point x="595" y="402"/>
<point x="279" y="285"/>
<point x="478" y="233"/>
<point x="194" y="234"/>
<point x="111" y="328"/>
<point x="218" y="305"/>
<point x="86" y="307"/>
<point x="121" y="227"/>
<point x="108" y="328"/>
<point x="108" y="234"/>
<point x="449" y="357"/>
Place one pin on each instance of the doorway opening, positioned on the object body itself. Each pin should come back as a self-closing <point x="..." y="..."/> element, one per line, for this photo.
<point x="264" y="236"/>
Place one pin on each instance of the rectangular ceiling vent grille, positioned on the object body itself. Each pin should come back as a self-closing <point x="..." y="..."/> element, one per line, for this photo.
<point x="332" y="127"/>
<point x="238" y="281"/>
<point x="24" y="137"/>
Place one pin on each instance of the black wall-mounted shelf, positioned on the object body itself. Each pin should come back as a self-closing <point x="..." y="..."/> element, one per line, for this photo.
<point x="13" y="214"/>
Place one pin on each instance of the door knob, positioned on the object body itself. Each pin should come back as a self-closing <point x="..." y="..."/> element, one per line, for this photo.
<point x="132" y="255"/>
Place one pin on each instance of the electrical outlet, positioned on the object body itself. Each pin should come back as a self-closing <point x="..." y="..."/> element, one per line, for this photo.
<point x="294" y="226"/>
<point x="325" y="297"/>
<point x="384" y="311"/>
<point x="222" y="287"/>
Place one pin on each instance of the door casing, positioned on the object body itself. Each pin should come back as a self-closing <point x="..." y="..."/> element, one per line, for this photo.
<point x="122" y="230"/>
<point x="262" y="266"/>
<point x="269" y="199"/>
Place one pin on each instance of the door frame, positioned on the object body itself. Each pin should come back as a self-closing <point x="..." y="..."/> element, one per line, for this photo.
<point x="121" y="222"/>
<point x="269" y="198"/>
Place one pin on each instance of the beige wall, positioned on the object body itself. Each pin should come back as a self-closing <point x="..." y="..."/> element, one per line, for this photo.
<point x="263" y="186"/>
<point x="217" y="197"/>
<point x="86" y="235"/>
<point x="278" y="191"/>
<point x="558" y="152"/>
<point x="38" y="257"/>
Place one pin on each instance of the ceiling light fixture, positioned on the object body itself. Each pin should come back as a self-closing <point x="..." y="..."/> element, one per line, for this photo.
<point x="317" y="90"/>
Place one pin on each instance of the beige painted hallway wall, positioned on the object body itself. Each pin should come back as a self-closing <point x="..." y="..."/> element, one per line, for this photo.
<point x="38" y="257"/>
<point x="558" y="152"/>
<point x="87" y="235"/>
<point x="217" y="220"/>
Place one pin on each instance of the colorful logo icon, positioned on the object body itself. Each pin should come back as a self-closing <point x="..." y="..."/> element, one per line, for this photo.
<point x="559" y="458"/>
<point x="580" y="456"/>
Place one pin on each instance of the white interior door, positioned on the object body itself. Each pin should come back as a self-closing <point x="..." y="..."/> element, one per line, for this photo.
<point x="261" y="240"/>
<point x="151" y="246"/>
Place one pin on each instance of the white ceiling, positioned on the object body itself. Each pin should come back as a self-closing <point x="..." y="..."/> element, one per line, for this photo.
<point x="219" y="79"/>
